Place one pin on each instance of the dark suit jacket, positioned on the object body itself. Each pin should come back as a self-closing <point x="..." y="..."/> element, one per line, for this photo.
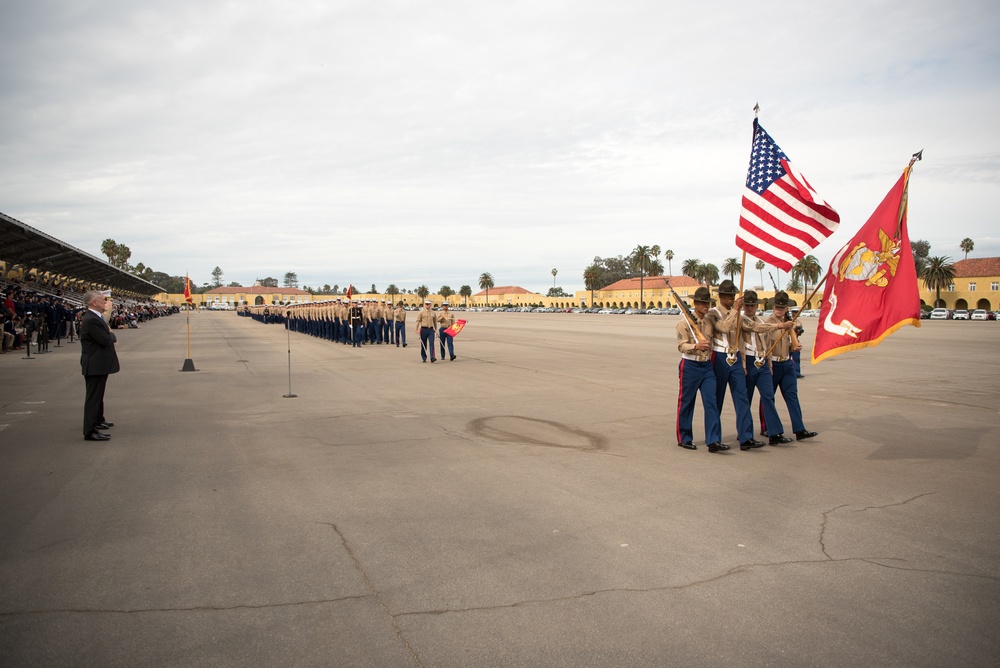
<point x="97" y="346"/>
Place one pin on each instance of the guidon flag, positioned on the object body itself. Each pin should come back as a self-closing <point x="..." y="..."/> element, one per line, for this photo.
<point x="455" y="328"/>
<point x="187" y="290"/>
<point x="782" y="217"/>
<point x="871" y="285"/>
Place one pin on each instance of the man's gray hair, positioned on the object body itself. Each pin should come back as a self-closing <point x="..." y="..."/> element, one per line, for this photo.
<point x="90" y="295"/>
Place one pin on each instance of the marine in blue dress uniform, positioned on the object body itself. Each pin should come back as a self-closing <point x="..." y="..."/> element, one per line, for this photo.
<point x="695" y="375"/>
<point x="727" y="363"/>
<point x="758" y="367"/>
<point x="783" y="369"/>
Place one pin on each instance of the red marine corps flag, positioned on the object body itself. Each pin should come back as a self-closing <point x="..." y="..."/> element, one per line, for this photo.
<point x="782" y="217"/>
<point x="187" y="290"/>
<point x="350" y="291"/>
<point x="871" y="286"/>
<point x="455" y="328"/>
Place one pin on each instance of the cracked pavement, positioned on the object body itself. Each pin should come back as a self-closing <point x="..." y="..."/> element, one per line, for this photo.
<point x="524" y="505"/>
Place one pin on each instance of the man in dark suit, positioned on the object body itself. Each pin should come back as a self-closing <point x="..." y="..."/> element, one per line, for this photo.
<point x="98" y="359"/>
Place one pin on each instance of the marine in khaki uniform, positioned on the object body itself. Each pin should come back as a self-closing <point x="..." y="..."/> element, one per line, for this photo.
<point x="399" y="322"/>
<point x="425" y="328"/>
<point x="783" y="370"/>
<point x="727" y="363"/>
<point x="695" y="374"/>
<point x="445" y="320"/>
<point x="756" y="365"/>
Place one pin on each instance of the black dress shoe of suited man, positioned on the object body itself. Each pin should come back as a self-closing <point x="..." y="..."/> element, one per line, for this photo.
<point x="97" y="436"/>
<point x="752" y="443"/>
<point x="803" y="435"/>
<point x="778" y="439"/>
<point x="688" y="445"/>
<point x="717" y="446"/>
<point x="104" y="425"/>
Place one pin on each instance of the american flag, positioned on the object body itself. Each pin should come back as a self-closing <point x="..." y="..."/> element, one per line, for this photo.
<point x="782" y="218"/>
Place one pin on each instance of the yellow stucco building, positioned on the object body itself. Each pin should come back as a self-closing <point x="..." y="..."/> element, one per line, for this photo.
<point x="976" y="286"/>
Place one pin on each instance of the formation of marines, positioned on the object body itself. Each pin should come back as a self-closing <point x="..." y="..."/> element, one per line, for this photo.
<point x="730" y="347"/>
<point x="725" y="349"/>
<point x="359" y="323"/>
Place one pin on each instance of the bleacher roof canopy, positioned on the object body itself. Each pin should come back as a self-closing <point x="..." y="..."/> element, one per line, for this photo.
<point x="22" y="244"/>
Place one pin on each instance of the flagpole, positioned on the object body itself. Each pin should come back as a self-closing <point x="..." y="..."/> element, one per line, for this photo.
<point x="739" y="320"/>
<point x="796" y="316"/>
<point x="188" y="301"/>
<point x="904" y="200"/>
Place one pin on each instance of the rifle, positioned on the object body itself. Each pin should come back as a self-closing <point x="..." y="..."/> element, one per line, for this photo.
<point x="793" y="337"/>
<point x="687" y="314"/>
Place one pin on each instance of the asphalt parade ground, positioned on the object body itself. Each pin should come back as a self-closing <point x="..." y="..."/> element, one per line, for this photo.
<point x="523" y="505"/>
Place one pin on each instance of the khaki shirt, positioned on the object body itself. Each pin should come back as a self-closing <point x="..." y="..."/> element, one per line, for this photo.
<point x="446" y="318"/>
<point x="723" y="322"/>
<point x="784" y="346"/>
<point x="686" y="339"/>
<point x="426" y="318"/>
<point x="399" y="315"/>
<point x="751" y="342"/>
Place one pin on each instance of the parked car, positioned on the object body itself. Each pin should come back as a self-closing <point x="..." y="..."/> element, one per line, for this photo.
<point x="960" y="314"/>
<point x="978" y="314"/>
<point x="939" y="314"/>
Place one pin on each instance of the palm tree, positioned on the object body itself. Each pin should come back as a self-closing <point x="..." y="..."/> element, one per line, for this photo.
<point x="554" y="272"/>
<point x="485" y="283"/>
<point x="392" y="291"/>
<point x="691" y="268"/>
<point x="967" y="245"/>
<point x="590" y="281"/>
<point x="446" y="291"/>
<point x="760" y="268"/>
<point x="640" y="259"/>
<point x="808" y="269"/>
<point x="731" y="267"/>
<point x="939" y="273"/>
<point x="710" y="274"/>
<point x="668" y="256"/>
<point x="466" y="292"/>
<point x="109" y="247"/>
<point x="423" y="291"/>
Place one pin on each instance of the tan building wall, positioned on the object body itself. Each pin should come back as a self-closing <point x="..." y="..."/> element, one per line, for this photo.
<point x="970" y="293"/>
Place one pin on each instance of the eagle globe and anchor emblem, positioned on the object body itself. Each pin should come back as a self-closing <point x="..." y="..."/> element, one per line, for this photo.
<point x="871" y="266"/>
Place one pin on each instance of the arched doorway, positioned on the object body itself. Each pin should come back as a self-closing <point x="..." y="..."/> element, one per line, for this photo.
<point x="984" y="304"/>
<point x="258" y="301"/>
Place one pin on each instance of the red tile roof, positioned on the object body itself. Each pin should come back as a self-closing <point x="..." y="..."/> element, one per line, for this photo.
<point x="653" y="283"/>
<point x="976" y="267"/>
<point x="505" y="290"/>
<point x="256" y="290"/>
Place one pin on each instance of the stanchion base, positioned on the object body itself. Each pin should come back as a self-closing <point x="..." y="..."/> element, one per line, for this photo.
<point x="289" y="396"/>
<point x="188" y="365"/>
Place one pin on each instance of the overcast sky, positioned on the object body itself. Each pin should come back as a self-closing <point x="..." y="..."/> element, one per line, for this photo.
<point x="428" y="142"/>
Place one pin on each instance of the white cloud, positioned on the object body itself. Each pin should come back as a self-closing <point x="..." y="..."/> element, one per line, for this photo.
<point x="428" y="142"/>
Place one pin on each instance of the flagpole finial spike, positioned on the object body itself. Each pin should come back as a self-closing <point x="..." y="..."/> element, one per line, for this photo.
<point x="919" y="155"/>
<point x="756" y="109"/>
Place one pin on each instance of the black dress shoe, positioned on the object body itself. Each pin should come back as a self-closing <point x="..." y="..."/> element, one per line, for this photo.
<point x="97" y="436"/>
<point x="717" y="446"/>
<point x="104" y="425"/>
<point x="747" y="445"/>
<point x="688" y="445"/>
<point x="453" y="358"/>
<point x="778" y="439"/>
<point x="803" y="435"/>
<point x="763" y="433"/>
